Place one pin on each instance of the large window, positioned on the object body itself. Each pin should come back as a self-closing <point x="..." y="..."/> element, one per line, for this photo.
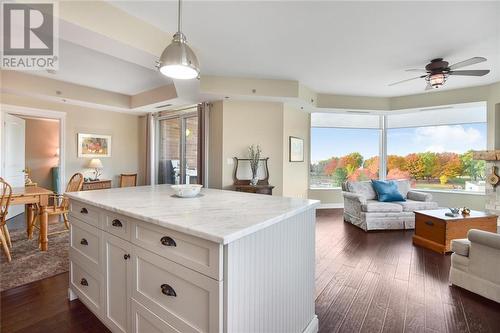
<point x="438" y="157"/>
<point x="432" y="148"/>
<point x="338" y="154"/>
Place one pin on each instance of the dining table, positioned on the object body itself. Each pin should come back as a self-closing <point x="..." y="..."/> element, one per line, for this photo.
<point x="30" y="195"/>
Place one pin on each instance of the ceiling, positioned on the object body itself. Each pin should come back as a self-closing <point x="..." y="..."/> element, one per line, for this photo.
<point x="351" y="48"/>
<point x="87" y="67"/>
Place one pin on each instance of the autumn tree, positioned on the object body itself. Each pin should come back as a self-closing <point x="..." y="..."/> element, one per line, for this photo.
<point x="415" y="166"/>
<point x="372" y="164"/>
<point x="453" y="167"/>
<point x="351" y="162"/>
<point x="448" y="164"/>
<point x="398" y="174"/>
<point x="395" y="162"/>
<point x="331" y="166"/>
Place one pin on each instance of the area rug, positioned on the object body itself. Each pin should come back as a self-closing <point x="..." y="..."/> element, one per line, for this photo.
<point x="29" y="263"/>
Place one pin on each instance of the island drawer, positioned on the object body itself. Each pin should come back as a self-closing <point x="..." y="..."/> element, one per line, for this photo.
<point x="87" y="284"/>
<point x="84" y="212"/>
<point x="144" y="320"/>
<point x="199" y="254"/>
<point x="85" y="243"/>
<point x="116" y="224"/>
<point x="187" y="300"/>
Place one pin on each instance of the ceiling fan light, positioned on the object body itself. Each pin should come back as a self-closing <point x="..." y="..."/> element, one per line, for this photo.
<point x="437" y="80"/>
<point x="178" y="60"/>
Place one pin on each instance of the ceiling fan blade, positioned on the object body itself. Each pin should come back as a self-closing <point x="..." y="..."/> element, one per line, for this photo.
<point x="477" y="72"/>
<point x="413" y="78"/>
<point x="468" y="62"/>
<point x="416" y="70"/>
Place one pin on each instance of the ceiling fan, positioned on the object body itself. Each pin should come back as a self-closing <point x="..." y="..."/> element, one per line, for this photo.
<point x="437" y="71"/>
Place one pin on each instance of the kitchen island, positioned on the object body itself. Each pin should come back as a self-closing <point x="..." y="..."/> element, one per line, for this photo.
<point x="143" y="260"/>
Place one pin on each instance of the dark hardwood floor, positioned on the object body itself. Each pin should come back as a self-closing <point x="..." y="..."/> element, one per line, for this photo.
<point x="380" y="282"/>
<point x="365" y="282"/>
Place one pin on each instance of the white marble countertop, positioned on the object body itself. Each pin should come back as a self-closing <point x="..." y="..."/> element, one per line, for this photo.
<point x="215" y="215"/>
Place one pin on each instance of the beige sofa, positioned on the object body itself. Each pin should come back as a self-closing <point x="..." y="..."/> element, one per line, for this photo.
<point x="362" y="208"/>
<point x="475" y="263"/>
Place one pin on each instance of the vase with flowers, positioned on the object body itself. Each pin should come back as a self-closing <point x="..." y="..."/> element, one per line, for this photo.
<point x="254" y="153"/>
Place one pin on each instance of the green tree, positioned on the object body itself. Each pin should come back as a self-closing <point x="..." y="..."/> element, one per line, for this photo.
<point x="430" y="162"/>
<point x="475" y="169"/>
<point x="339" y="176"/>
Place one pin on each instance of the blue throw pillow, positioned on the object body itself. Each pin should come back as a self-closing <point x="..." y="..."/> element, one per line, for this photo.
<point x="387" y="191"/>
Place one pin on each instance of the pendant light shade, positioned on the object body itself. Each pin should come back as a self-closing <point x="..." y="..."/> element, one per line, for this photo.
<point x="178" y="61"/>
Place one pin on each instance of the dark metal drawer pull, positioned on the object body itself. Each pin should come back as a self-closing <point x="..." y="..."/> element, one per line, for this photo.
<point x="126" y="256"/>
<point x="84" y="211"/>
<point x="84" y="242"/>
<point x="429" y="223"/>
<point x="84" y="282"/>
<point x="167" y="241"/>
<point x="117" y="223"/>
<point x="167" y="290"/>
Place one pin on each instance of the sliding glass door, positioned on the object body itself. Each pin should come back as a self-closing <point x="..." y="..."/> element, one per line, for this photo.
<point x="178" y="154"/>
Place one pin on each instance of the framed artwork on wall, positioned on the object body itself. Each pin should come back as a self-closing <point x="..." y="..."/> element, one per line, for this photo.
<point x="94" y="145"/>
<point x="296" y="149"/>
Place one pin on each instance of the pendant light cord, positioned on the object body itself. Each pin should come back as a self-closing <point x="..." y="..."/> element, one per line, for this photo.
<point x="179" y="17"/>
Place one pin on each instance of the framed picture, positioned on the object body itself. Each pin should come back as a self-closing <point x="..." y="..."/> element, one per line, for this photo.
<point x="296" y="149"/>
<point x="94" y="145"/>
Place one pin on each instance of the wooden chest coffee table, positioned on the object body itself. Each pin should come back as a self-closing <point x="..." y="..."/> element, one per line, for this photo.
<point x="434" y="230"/>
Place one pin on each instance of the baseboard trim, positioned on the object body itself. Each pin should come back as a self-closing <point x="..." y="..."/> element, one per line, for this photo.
<point x="313" y="326"/>
<point x="331" y="205"/>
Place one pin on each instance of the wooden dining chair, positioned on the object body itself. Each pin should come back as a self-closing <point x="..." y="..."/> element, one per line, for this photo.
<point x="128" y="180"/>
<point x="6" y="192"/>
<point x="60" y="204"/>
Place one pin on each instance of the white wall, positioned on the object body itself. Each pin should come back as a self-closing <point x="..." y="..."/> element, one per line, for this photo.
<point x="295" y="174"/>
<point x="235" y="125"/>
<point x="246" y="123"/>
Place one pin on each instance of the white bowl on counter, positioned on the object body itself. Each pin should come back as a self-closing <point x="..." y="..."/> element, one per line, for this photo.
<point x="187" y="190"/>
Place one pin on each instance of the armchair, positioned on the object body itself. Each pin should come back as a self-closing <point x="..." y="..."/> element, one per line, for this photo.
<point x="475" y="263"/>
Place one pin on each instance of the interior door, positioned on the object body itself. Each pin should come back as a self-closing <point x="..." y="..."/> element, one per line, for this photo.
<point x="14" y="129"/>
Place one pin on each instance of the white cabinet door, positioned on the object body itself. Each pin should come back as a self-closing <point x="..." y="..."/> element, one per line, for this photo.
<point x="117" y="280"/>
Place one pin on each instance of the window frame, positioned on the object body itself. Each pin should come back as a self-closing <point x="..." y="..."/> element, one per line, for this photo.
<point x="383" y="130"/>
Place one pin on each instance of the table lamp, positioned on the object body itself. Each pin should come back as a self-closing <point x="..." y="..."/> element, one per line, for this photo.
<point x="95" y="164"/>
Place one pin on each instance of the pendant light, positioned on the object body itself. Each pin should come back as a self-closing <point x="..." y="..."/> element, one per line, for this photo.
<point x="178" y="61"/>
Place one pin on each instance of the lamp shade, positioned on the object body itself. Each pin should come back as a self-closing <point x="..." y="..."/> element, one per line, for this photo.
<point x="95" y="163"/>
<point x="178" y="61"/>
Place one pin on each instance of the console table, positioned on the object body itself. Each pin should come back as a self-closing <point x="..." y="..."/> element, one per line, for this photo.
<point x="259" y="189"/>
<point x="243" y="185"/>
<point x="96" y="185"/>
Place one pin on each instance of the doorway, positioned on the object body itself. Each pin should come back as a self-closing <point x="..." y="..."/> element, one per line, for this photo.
<point x="32" y="145"/>
<point x="179" y="144"/>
